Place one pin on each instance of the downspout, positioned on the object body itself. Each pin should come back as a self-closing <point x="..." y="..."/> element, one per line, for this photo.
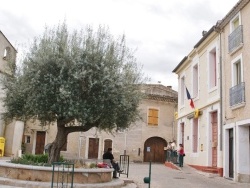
<point x="221" y="114"/>
<point x="218" y="30"/>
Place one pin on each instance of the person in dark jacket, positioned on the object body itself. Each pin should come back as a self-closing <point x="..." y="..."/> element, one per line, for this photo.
<point x="109" y="156"/>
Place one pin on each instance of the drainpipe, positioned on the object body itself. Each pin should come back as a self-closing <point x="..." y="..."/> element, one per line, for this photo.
<point x="218" y="30"/>
<point x="221" y="114"/>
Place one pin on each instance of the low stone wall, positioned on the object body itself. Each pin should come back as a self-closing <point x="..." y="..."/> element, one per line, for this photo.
<point x="44" y="174"/>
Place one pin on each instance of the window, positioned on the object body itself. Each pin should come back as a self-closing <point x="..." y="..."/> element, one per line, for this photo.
<point x="212" y="67"/>
<point x="195" y="135"/>
<point x="237" y="71"/>
<point x="195" y="80"/>
<point x="153" y="117"/>
<point x="182" y="90"/>
<point x="27" y="139"/>
<point x="7" y="54"/>
<point x="235" y="39"/>
<point x="235" y="22"/>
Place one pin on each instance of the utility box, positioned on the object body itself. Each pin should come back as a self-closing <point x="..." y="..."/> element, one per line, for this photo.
<point x="2" y="144"/>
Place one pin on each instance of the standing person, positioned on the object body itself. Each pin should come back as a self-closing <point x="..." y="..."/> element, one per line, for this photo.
<point x="174" y="155"/>
<point x="108" y="155"/>
<point x="181" y="155"/>
<point x="169" y="152"/>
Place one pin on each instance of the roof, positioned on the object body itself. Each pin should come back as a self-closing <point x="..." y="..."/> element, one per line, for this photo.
<point x="204" y="37"/>
<point x="8" y="41"/>
<point x="159" y="92"/>
<point x="178" y="66"/>
<point x="219" y="26"/>
<point x="161" y="98"/>
<point x="240" y="5"/>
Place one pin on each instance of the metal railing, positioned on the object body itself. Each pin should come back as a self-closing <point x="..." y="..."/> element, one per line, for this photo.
<point x="172" y="156"/>
<point x="124" y="164"/>
<point x="237" y="94"/>
<point x="62" y="175"/>
<point x="235" y="38"/>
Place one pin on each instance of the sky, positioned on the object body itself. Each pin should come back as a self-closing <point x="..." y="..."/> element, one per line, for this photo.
<point x="161" y="32"/>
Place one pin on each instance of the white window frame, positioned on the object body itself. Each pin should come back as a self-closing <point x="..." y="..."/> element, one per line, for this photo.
<point x="233" y="74"/>
<point x="182" y="91"/>
<point x="195" y="80"/>
<point x="213" y="50"/>
<point x="27" y="139"/>
<point x="237" y="16"/>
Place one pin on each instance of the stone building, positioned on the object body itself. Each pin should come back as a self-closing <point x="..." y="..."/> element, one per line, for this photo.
<point x="12" y="133"/>
<point x="143" y="141"/>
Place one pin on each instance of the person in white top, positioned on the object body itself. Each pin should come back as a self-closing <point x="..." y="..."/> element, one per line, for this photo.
<point x="173" y="145"/>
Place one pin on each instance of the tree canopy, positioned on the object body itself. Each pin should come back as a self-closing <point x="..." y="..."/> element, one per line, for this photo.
<point x="80" y="80"/>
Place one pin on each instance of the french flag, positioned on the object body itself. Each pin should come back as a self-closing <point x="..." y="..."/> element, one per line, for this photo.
<point x="189" y="98"/>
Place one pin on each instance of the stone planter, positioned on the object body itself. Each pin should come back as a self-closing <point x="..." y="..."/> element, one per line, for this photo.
<point x="44" y="174"/>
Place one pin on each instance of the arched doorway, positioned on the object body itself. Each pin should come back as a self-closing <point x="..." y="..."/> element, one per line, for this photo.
<point x="154" y="150"/>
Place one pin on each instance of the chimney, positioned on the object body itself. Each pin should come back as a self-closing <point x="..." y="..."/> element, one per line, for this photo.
<point x="170" y="87"/>
<point x="204" y="33"/>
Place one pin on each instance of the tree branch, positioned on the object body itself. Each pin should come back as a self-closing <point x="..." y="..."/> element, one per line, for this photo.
<point x="83" y="128"/>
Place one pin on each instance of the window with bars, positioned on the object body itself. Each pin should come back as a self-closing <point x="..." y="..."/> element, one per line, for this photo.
<point x="153" y="116"/>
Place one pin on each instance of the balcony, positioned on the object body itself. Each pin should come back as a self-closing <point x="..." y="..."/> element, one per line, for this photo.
<point x="237" y="94"/>
<point x="235" y="38"/>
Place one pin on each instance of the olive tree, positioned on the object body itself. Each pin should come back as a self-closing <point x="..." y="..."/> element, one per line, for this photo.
<point x="78" y="80"/>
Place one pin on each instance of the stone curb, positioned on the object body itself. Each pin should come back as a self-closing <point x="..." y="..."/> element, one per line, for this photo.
<point x="115" y="183"/>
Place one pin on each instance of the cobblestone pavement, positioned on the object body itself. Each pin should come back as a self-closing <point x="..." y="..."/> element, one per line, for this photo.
<point x="165" y="177"/>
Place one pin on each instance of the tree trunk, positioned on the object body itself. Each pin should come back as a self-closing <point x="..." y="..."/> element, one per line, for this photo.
<point x="56" y="146"/>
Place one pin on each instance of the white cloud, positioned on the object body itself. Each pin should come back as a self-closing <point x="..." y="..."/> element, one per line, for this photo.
<point x="162" y="31"/>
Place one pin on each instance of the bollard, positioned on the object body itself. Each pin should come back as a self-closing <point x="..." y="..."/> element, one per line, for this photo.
<point x="148" y="179"/>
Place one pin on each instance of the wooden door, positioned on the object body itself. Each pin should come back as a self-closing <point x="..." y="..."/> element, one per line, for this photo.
<point x="107" y="144"/>
<point x="214" y="123"/>
<point x="154" y="150"/>
<point x="40" y="142"/>
<point x="93" y="148"/>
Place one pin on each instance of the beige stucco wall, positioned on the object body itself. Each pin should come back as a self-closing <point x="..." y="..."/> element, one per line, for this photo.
<point x="231" y="114"/>
<point x="207" y="101"/>
<point x="237" y="118"/>
<point x="13" y="138"/>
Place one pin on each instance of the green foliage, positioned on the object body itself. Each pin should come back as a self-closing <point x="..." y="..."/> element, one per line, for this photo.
<point x="92" y="165"/>
<point x="85" y="76"/>
<point x="36" y="160"/>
